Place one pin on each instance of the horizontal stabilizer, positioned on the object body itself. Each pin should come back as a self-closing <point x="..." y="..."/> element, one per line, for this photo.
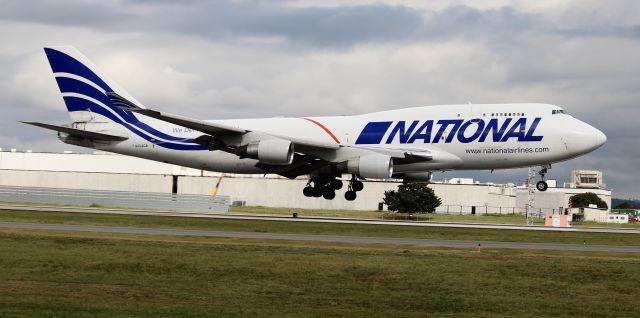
<point x="77" y="132"/>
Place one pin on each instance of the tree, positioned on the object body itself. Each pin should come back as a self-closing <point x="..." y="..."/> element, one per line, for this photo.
<point x="412" y="198"/>
<point x="624" y="205"/>
<point x="583" y="200"/>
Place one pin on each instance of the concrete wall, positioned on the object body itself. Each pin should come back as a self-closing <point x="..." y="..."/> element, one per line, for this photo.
<point x="87" y="180"/>
<point x="593" y="215"/>
<point x="271" y="192"/>
<point x="115" y="172"/>
<point x="288" y="193"/>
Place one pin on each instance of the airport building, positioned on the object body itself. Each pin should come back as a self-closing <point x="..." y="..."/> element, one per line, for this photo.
<point x="106" y="171"/>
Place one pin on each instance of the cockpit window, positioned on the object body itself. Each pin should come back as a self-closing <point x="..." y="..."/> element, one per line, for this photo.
<point x="557" y="111"/>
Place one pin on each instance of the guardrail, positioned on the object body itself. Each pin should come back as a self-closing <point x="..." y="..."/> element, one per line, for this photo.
<point x="116" y="199"/>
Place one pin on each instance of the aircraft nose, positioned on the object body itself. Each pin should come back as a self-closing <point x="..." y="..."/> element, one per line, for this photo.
<point x="601" y="138"/>
<point x="584" y="138"/>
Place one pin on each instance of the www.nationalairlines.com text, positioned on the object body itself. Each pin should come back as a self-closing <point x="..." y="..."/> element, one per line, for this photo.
<point x="511" y="150"/>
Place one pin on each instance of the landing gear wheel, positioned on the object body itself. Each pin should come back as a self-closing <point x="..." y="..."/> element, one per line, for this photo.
<point x="329" y="194"/>
<point x="308" y="192"/>
<point x="542" y="186"/>
<point x="357" y="185"/>
<point x="336" y="184"/>
<point x="350" y="195"/>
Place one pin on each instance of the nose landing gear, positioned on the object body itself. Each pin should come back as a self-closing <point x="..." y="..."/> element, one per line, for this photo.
<point x="542" y="184"/>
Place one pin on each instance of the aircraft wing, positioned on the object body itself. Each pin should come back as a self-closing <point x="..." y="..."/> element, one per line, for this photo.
<point x="214" y="129"/>
<point x="209" y="128"/>
<point x="195" y="124"/>
<point x="309" y="153"/>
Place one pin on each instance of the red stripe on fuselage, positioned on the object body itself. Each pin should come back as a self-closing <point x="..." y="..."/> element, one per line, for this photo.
<point x="324" y="128"/>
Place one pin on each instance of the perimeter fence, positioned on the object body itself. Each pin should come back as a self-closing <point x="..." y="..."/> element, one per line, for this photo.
<point x="116" y="199"/>
<point x="494" y="210"/>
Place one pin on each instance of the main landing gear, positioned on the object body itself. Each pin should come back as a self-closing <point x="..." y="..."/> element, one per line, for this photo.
<point x="326" y="187"/>
<point x="322" y="187"/>
<point x="355" y="185"/>
<point x="542" y="184"/>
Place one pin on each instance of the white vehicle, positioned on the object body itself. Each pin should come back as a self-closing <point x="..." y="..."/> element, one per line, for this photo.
<point x="406" y="143"/>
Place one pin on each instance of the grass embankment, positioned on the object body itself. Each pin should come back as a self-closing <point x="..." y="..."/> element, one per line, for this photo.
<point x="430" y="217"/>
<point x="60" y="274"/>
<point x="504" y="218"/>
<point x="322" y="228"/>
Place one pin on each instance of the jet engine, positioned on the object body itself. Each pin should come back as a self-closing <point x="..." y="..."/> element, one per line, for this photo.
<point x="270" y="151"/>
<point x="414" y="176"/>
<point x="370" y="166"/>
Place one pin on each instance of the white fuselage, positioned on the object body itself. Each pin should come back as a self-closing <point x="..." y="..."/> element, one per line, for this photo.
<point x="489" y="136"/>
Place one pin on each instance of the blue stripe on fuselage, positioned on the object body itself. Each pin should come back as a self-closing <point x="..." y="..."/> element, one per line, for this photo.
<point x="465" y="131"/>
<point x="373" y="132"/>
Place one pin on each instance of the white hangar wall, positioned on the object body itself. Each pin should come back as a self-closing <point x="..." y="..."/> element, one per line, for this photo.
<point x="87" y="180"/>
<point x="102" y="171"/>
<point x="288" y="193"/>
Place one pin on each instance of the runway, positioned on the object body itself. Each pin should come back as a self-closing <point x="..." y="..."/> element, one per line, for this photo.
<point x="321" y="238"/>
<point x="316" y="219"/>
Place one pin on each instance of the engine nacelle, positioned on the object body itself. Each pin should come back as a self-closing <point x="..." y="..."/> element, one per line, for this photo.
<point x="270" y="151"/>
<point x="371" y="166"/>
<point x="414" y="176"/>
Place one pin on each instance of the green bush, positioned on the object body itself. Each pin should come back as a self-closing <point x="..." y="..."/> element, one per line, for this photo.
<point x="412" y="198"/>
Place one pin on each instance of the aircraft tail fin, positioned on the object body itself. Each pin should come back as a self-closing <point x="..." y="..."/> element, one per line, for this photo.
<point x="85" y="88"/>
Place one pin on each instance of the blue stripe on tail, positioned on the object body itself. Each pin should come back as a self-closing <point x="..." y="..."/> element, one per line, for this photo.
<point x="61" y="62"/>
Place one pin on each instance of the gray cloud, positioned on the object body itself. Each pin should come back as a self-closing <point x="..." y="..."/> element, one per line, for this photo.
<point x="231" y="59"/>
<point x="70" y="13"/>
<point x="317" y="26"/>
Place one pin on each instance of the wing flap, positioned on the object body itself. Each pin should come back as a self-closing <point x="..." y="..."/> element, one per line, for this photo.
<point x="403" y="156"/>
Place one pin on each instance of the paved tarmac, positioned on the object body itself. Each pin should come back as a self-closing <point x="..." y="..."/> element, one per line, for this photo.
<point x="317" y="219"/>
<point x="321" y="238"/>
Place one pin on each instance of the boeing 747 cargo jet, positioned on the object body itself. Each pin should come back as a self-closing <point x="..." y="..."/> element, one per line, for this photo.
<point x="405" y="144"/>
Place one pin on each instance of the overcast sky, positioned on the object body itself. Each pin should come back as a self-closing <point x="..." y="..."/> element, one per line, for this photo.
<point x="233" y="59"/>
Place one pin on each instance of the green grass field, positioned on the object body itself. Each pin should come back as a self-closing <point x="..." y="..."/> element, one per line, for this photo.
<point x="506" y="218"/>
<point x="64" y="274"/>
<point x="322" y="228"/>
